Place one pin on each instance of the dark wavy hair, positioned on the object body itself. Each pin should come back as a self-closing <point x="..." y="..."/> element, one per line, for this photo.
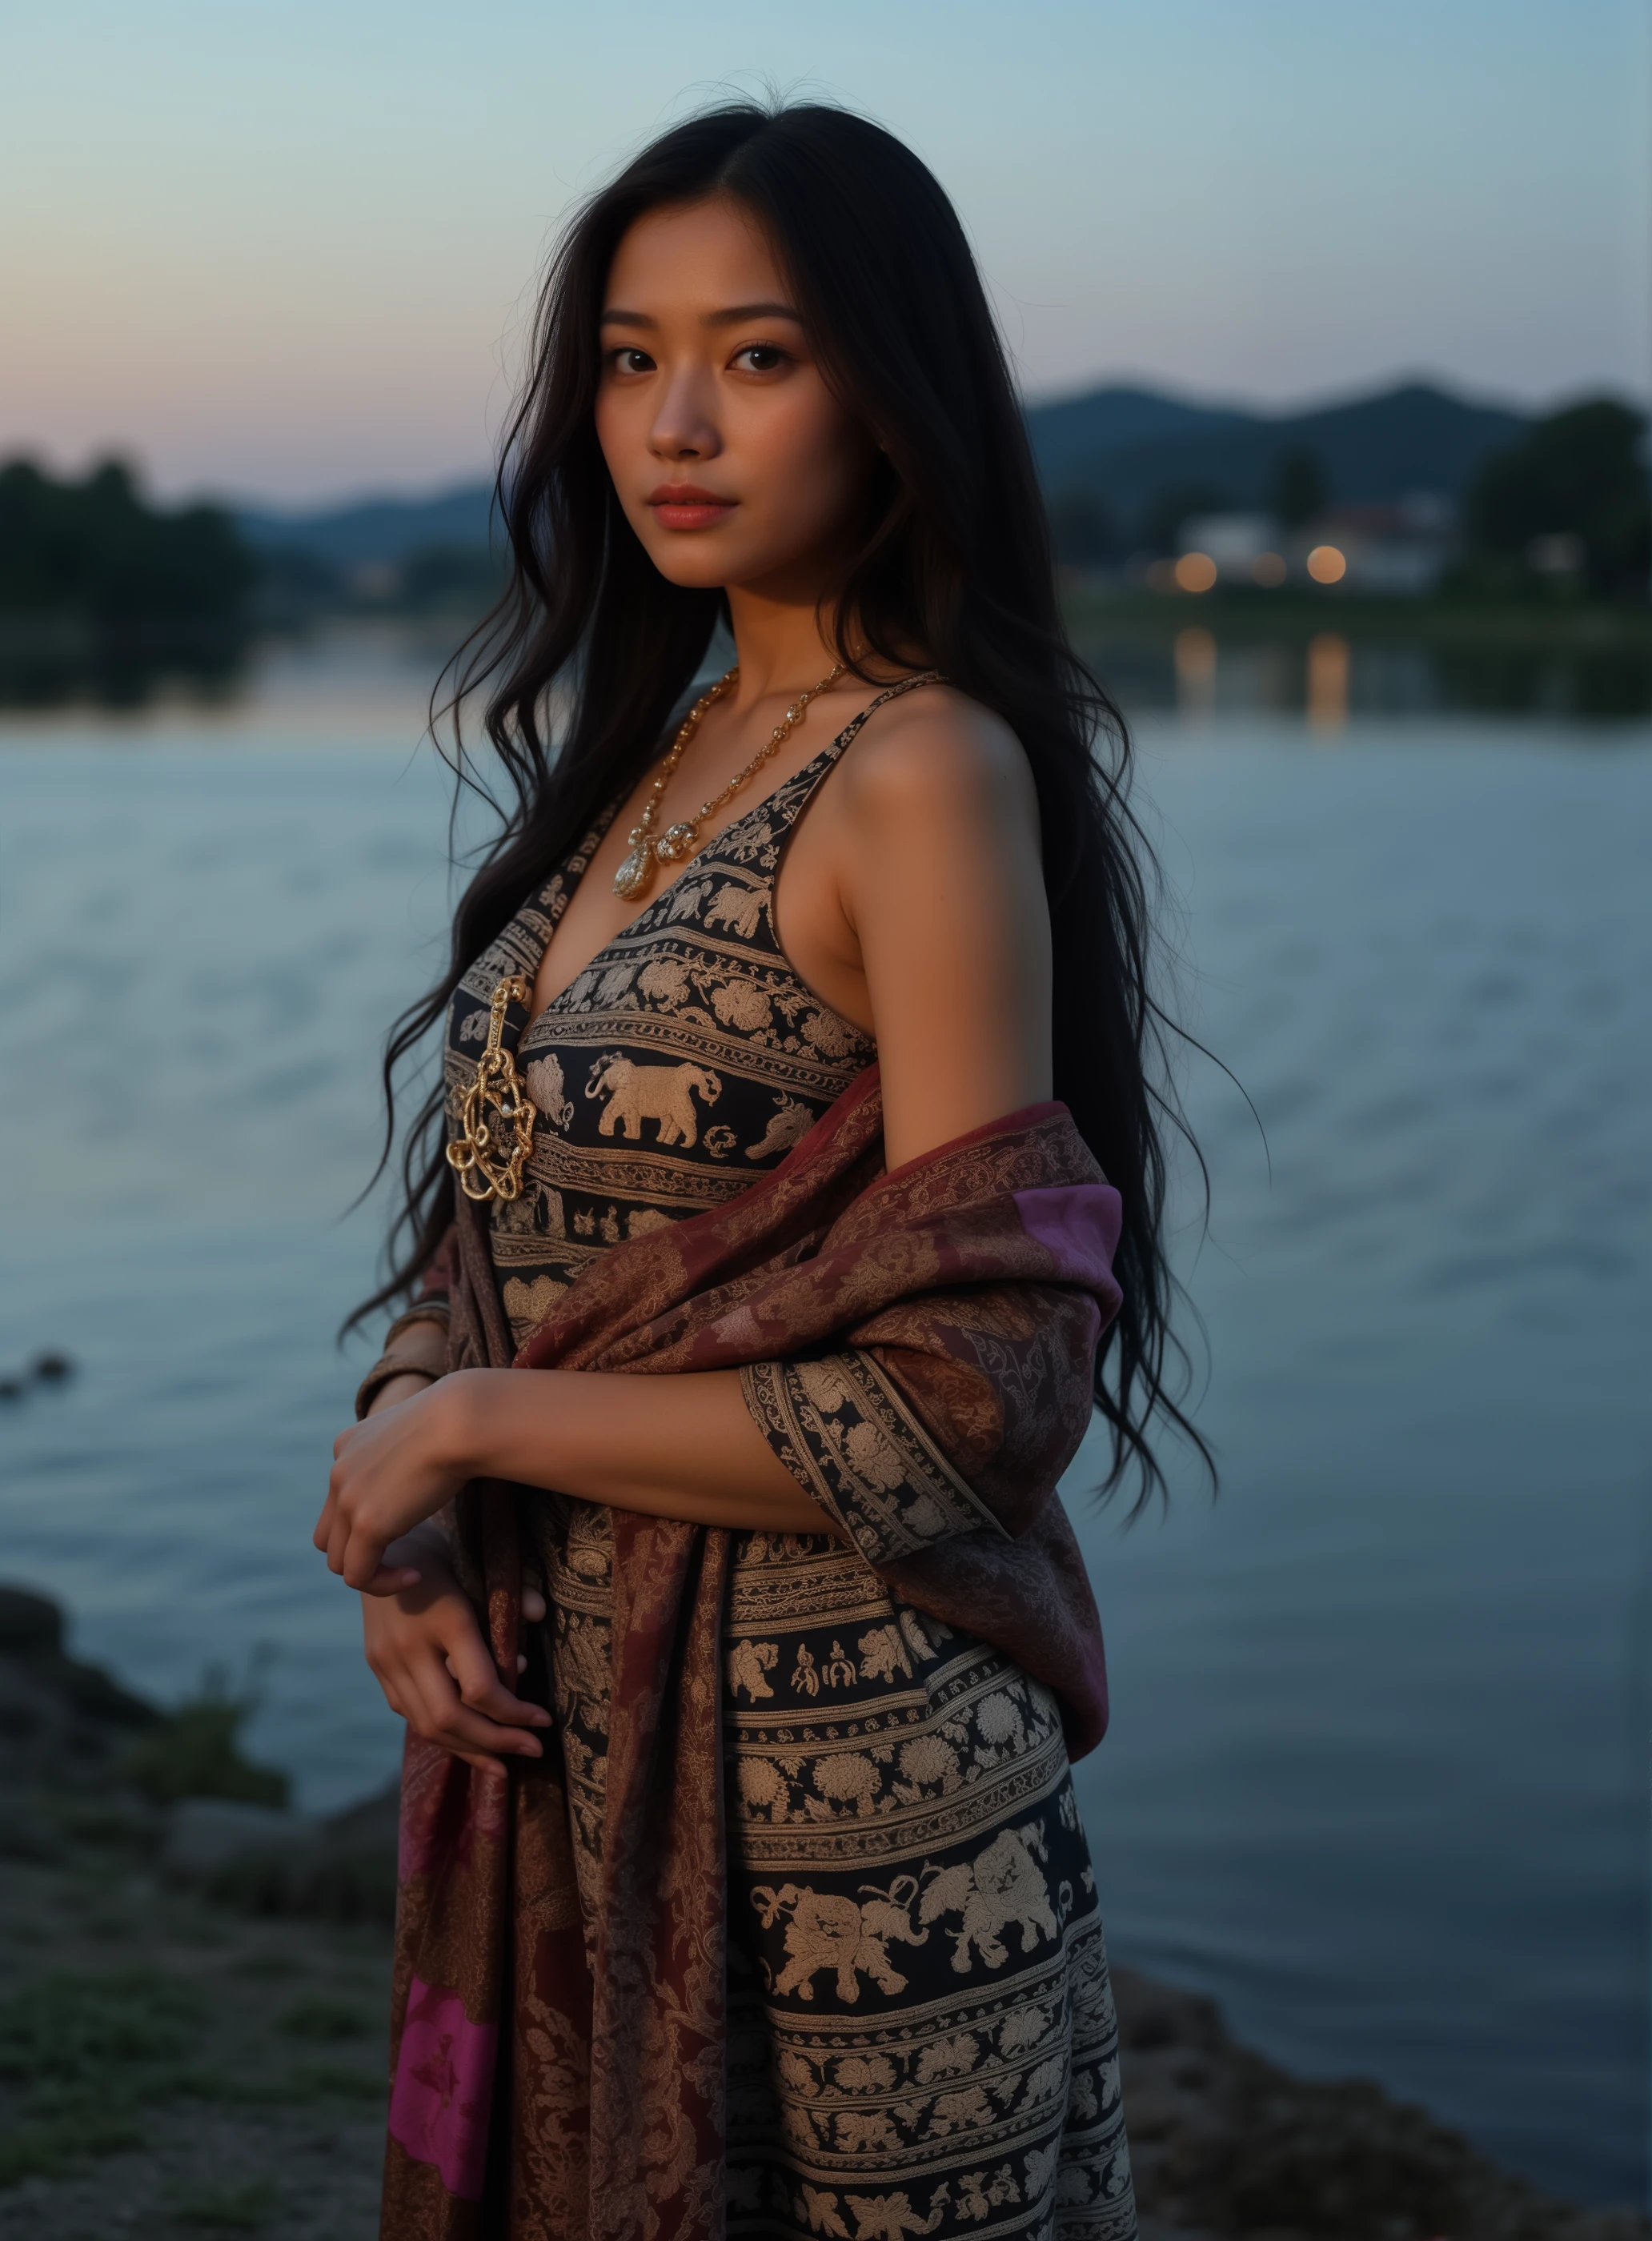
<point x="590" y="649"/>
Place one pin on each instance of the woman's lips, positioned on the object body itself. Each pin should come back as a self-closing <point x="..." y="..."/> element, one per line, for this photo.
<point x="685" y="506"/>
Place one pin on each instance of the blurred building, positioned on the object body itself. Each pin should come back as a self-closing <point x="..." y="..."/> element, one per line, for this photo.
<point x="1398" y="549"/>
<point x="1234" y="542"/>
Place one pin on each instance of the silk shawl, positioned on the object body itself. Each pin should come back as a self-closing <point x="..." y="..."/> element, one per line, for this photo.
<point x="969" y="1288"/>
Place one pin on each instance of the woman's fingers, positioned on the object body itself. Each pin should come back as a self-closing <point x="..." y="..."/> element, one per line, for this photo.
<point x="426" y="1648"/>
<point x="357" y="1526"/>
<point x="333" y="1530"/>
<point x="473" y="1668"/>
<point x="361" y="1556"/>
<point x="457" y="1728"/>
<point x="392" y="1580"/>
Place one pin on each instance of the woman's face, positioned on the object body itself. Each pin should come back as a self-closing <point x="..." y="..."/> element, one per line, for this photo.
<point x="733" y="461"/>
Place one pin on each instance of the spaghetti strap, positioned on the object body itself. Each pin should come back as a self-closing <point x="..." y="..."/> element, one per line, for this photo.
<point x="798" y="794"/>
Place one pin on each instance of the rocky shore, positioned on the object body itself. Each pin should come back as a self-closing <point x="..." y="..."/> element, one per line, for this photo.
<point x="194" y="1979"/>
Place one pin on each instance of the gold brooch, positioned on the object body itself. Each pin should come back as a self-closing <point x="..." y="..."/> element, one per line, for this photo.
<point x="495" y="1119"/>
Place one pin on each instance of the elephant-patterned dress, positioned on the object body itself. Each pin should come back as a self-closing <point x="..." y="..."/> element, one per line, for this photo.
<point x="921" y="2036"/>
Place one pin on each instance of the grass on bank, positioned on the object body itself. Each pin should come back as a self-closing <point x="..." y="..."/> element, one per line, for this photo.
<point x="90" y="2057"/>
<point x="196" y="1750"/>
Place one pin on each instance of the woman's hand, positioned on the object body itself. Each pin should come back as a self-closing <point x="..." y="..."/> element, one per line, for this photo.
<point x="426" y="1649"/>
<point x="401" y="1464"/>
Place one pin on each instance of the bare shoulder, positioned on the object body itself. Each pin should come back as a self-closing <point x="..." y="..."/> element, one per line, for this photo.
<point x="935" y="751"/>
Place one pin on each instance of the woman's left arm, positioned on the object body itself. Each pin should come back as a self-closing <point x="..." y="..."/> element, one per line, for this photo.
<point x="681" y="1447"/>
<point x="934" y="842"/>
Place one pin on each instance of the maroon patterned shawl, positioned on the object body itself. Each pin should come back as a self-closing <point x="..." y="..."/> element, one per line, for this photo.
<point x="547" y="2092"/>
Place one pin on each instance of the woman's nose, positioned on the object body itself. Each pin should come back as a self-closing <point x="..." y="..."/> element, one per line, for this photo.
<point x="683" y="426"/>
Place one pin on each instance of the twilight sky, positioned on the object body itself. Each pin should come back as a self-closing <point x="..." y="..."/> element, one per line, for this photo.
<point x="287" y="251"/>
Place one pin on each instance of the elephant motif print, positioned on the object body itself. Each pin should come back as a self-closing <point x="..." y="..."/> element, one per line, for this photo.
<point x="740" y="909"/>
<point x="1003" y="1884"/>
<point x="684" y="897"/>
<point x="828" y="1931"/>
<point x="789" y="1123"/>
<point x="661" y="1094"/>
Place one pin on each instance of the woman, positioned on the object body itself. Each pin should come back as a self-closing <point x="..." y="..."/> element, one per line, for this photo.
<point x="759" y="1902"/>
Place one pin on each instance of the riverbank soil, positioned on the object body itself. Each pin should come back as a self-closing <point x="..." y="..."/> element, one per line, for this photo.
<point x="194" y="1994"/>
<point x="1225" y="2143"/>
<point x="170" y="2068"/>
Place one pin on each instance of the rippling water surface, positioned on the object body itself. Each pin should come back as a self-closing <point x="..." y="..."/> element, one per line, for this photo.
<point x="1377" y="1776"/>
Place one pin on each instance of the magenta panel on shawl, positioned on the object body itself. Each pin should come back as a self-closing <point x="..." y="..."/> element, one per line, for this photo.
<point x="439" y="2106"/>
<point x="1078" y="1226"/>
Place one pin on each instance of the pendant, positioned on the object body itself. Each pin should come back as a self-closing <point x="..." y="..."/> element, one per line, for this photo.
<point x="677" y="844"/>
<point x="495" y="1119"/>
<point x="638" y="868"/>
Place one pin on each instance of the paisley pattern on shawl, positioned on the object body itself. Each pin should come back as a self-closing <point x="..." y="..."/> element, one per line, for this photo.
<point x="793" y="1930"/>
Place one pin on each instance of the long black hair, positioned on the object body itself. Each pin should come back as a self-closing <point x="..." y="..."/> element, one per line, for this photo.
<point x="953" y="558"/>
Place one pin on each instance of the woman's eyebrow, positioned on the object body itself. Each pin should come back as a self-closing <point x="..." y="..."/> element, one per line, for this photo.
<point x="736" y="315"/>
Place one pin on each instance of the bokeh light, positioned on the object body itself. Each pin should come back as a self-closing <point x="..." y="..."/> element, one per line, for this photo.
<point x="1326" y="564"/>
<point x="1196" y="572"/>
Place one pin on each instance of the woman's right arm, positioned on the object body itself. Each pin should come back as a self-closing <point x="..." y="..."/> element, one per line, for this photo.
<point x="424" y="1643"/>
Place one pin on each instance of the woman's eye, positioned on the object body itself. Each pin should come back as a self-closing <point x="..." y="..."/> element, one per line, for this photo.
<point x="627" y="360"/>
<point x="761" y="357"/>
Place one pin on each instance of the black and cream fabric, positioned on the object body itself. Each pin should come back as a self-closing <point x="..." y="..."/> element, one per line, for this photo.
<point x="921" y="2035"/>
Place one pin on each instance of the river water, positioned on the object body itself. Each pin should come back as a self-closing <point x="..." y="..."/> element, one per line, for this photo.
<point x="1377" y="1776"/>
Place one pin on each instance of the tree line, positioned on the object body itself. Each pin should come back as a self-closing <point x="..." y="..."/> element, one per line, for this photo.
<point x="1564" y="509"/>
<point x="97" y="552"/>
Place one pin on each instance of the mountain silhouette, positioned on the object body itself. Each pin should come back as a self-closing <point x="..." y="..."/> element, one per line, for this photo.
<point x="1127" y="446"/>
<point x="373" y="532"/>
<point x="1131" y="447"/>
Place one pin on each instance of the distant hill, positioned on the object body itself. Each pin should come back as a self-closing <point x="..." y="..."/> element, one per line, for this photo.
<point x="376" y="530"/>
<point x="1128" y="447"/>
<point x="1073" y="436"/>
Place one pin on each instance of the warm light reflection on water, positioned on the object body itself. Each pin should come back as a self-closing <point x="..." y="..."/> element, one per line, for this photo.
<point x="1327" y="682"/>
<point x="1195" y="673"/>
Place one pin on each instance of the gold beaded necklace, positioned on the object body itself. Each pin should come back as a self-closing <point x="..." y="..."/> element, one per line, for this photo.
<point x="495" y="1139"/>
<point x="679" y="842"/>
